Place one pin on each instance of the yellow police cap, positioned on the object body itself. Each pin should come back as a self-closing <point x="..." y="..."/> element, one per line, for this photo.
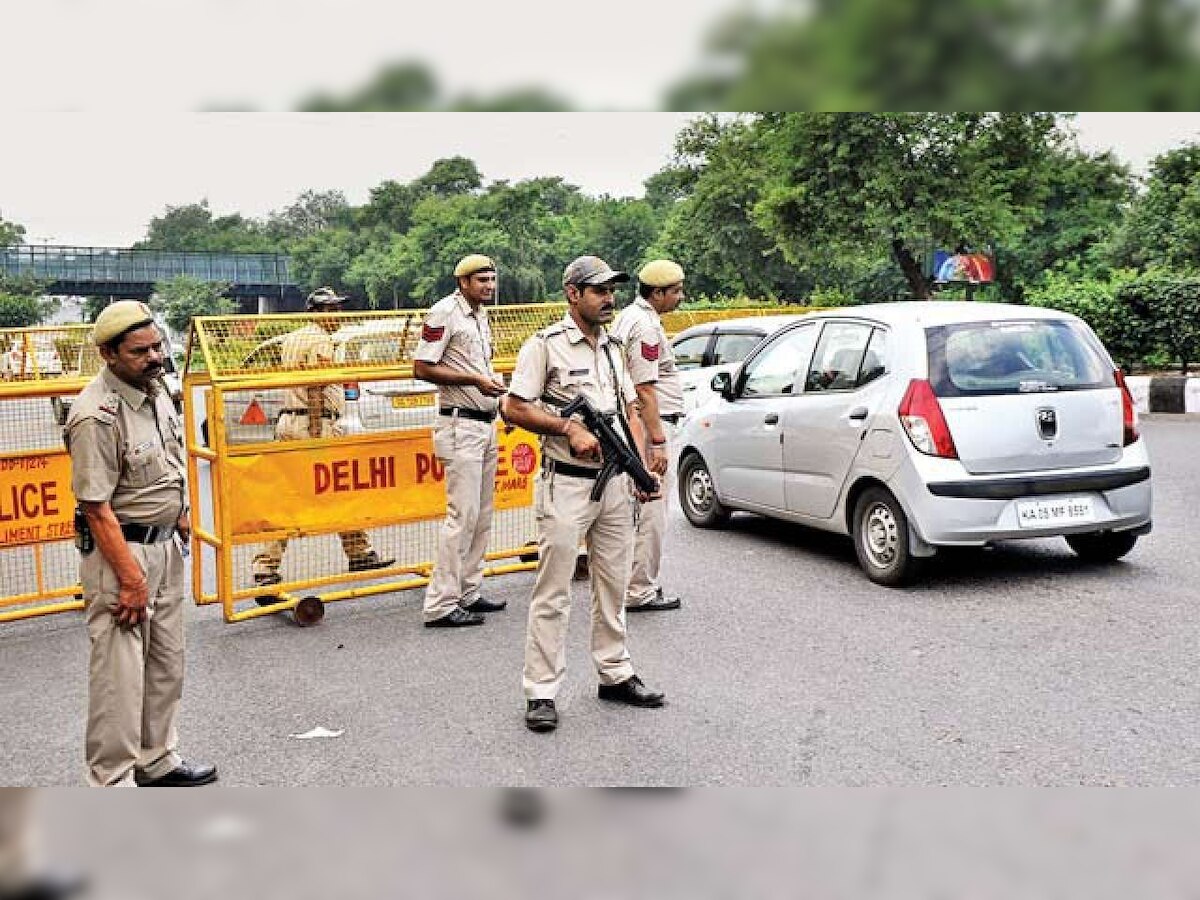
<point x="476" y="262"/>
<point x="661" y="273"/>
<point x="120" y="317"/>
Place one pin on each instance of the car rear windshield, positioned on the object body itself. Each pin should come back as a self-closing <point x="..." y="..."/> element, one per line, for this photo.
<point x="981" y="358"/>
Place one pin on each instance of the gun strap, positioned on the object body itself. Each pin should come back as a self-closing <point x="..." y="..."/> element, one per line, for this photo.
<point x="633" y="447"/>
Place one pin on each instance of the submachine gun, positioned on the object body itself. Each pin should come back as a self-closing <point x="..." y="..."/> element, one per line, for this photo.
<point x="618" y="455"/>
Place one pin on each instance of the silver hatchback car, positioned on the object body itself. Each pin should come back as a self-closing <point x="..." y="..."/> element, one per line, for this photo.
<point x="914" y="426"/>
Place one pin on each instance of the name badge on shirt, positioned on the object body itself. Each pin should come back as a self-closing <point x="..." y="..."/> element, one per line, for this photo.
<point x="574" y="372"/>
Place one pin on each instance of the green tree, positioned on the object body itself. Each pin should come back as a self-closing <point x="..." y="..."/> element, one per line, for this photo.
<point x="839" y="182"/>
<point x="11" y="233"/>
<point x="313" y="212"/>
<point x="193" y="227"/>
<point x="1169" y="305"/>
<point x="979" y="54"/>
<point x="184" y="297"/>
<point x="1163" y="226"/>
<point x="19" y="311"/>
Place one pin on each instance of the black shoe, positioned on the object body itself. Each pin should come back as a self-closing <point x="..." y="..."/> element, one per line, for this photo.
<point x="183" y="775"/>
<point x="632" y="692"/>
<point x="657" y="603"/>
<point x="582" y="572"/>
<point x="540" y="715"/>
<point x="457" y="618"/>
<point x="483" y="605"/>
<point x="370" y="561"/>
<point x="266" y="579"/>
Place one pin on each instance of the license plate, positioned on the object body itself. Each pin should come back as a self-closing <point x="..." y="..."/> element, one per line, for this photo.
<point x="411" y="401"/>
<point x="1050" y="513"/>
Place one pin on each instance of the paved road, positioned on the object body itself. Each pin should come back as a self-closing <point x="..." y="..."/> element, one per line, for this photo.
<point x="1015" y="666"/>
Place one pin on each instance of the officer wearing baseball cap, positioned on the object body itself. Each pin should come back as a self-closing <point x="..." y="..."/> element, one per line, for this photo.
<point x="455" y="353"/>
<point x="576" y="357"/>
<point x="313" y="411"/>
<point x="660" y="394"/>
<point x="128" y="473"/>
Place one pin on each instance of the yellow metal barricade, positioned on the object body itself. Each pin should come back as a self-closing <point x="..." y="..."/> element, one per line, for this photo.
<point x="41" y="371"/>
<point x="381" y="477"/>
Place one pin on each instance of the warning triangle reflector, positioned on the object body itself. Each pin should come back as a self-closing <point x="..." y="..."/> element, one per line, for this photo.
<point x="254" y="414"/>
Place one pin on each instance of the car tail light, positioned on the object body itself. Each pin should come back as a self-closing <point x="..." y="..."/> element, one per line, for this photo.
<point x="921" y="415"/>
<point x="1129" y="415"/>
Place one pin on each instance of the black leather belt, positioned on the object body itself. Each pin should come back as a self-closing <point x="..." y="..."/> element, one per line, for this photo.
<point x="326" y="414"/>
<point x="465" y="412"/>
<point x="562" y="468"/>
<point x="673" y="418"/>
<point x="147" y="534"/>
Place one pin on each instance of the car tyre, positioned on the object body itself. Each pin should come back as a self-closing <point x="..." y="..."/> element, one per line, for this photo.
<point x="698" y="494"/>
<point x="1102" y="546"/>
<point x="881" y="539"/>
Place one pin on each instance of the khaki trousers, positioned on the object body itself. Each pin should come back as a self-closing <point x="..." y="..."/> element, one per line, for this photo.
<point x="565" y="513"/>
<point x="644" y="583"/>
<point x="469" y="451"/>
<point x="17" y="863"/>
<point x="135" y="676"/>
<point x="355" y="544"/>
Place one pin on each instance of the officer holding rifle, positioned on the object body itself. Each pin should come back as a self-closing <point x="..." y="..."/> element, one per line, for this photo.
<point x="571" y="359"/>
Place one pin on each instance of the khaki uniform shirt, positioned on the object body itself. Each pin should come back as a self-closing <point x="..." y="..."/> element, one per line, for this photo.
<point x="127" y="450"/>
<point x="649" y="354"/>
<point x="557" y="364"/>
<point x="310" y="347"/>
<point x="461" y="337"/>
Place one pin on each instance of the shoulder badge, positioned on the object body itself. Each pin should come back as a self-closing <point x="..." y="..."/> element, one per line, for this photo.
<point x="432" y="333"/>
<point x="650" y="352"/>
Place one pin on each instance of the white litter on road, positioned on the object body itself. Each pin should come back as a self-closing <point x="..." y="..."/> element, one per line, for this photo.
<point x="318" y="732"/>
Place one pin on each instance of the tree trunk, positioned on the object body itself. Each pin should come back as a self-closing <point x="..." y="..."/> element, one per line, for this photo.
<point x="917" y="282"/>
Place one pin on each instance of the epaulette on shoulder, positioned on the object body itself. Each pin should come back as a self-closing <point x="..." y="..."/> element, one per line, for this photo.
<point x="616" y="339"/>
<point x="551" y="330"/>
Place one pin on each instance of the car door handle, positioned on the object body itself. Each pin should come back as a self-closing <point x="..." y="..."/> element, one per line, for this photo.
<point x="771" y="419"/>
<point x="858" y="414"/>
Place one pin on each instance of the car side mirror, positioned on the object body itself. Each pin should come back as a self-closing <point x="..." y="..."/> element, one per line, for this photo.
<point x="722" y="383"/>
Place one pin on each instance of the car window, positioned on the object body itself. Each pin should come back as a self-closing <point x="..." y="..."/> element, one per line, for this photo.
<point x="733" y="348"/>
<point x="838" y="358"/>
<point x="781" y="364"/>
<point x="875" y="360"/>
<point x="979" y="358"/>
<point x="689" y="352"/>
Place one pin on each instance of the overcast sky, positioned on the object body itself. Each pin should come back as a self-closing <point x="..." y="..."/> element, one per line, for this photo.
<point x="97" y="179"/>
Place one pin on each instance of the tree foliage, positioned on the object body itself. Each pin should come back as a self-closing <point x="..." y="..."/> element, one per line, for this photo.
<point x="19" y="310"/>
<point x="11" y="233"/>
<point x="184" y="297"/>
<point x="979" y="54"/>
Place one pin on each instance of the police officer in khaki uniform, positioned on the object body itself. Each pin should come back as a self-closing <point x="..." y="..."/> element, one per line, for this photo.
<point x="128" y="475"/>
<point x="660" y="398"/>
<point x="313" y="412"/>
<point x="571" y="358"/>
<point x="455" y="353"/>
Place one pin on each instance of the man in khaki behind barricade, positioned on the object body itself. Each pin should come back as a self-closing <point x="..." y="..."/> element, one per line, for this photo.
<point x="660" y="398"/>
<point x="128" y="474"/>
<point x="575" y="357"/>
<point x="311" y="412"/>
<point x="455" y="353"/>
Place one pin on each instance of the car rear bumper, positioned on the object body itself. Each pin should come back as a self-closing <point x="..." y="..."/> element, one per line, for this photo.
<point x="971" y="512"/>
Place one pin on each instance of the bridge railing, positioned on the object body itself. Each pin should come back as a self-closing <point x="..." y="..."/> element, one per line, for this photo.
<point x="101" y="264"/>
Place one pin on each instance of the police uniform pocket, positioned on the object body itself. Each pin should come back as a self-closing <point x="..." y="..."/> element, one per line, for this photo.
<point x="443" y="437"/>
<point x="145" y="464"/>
